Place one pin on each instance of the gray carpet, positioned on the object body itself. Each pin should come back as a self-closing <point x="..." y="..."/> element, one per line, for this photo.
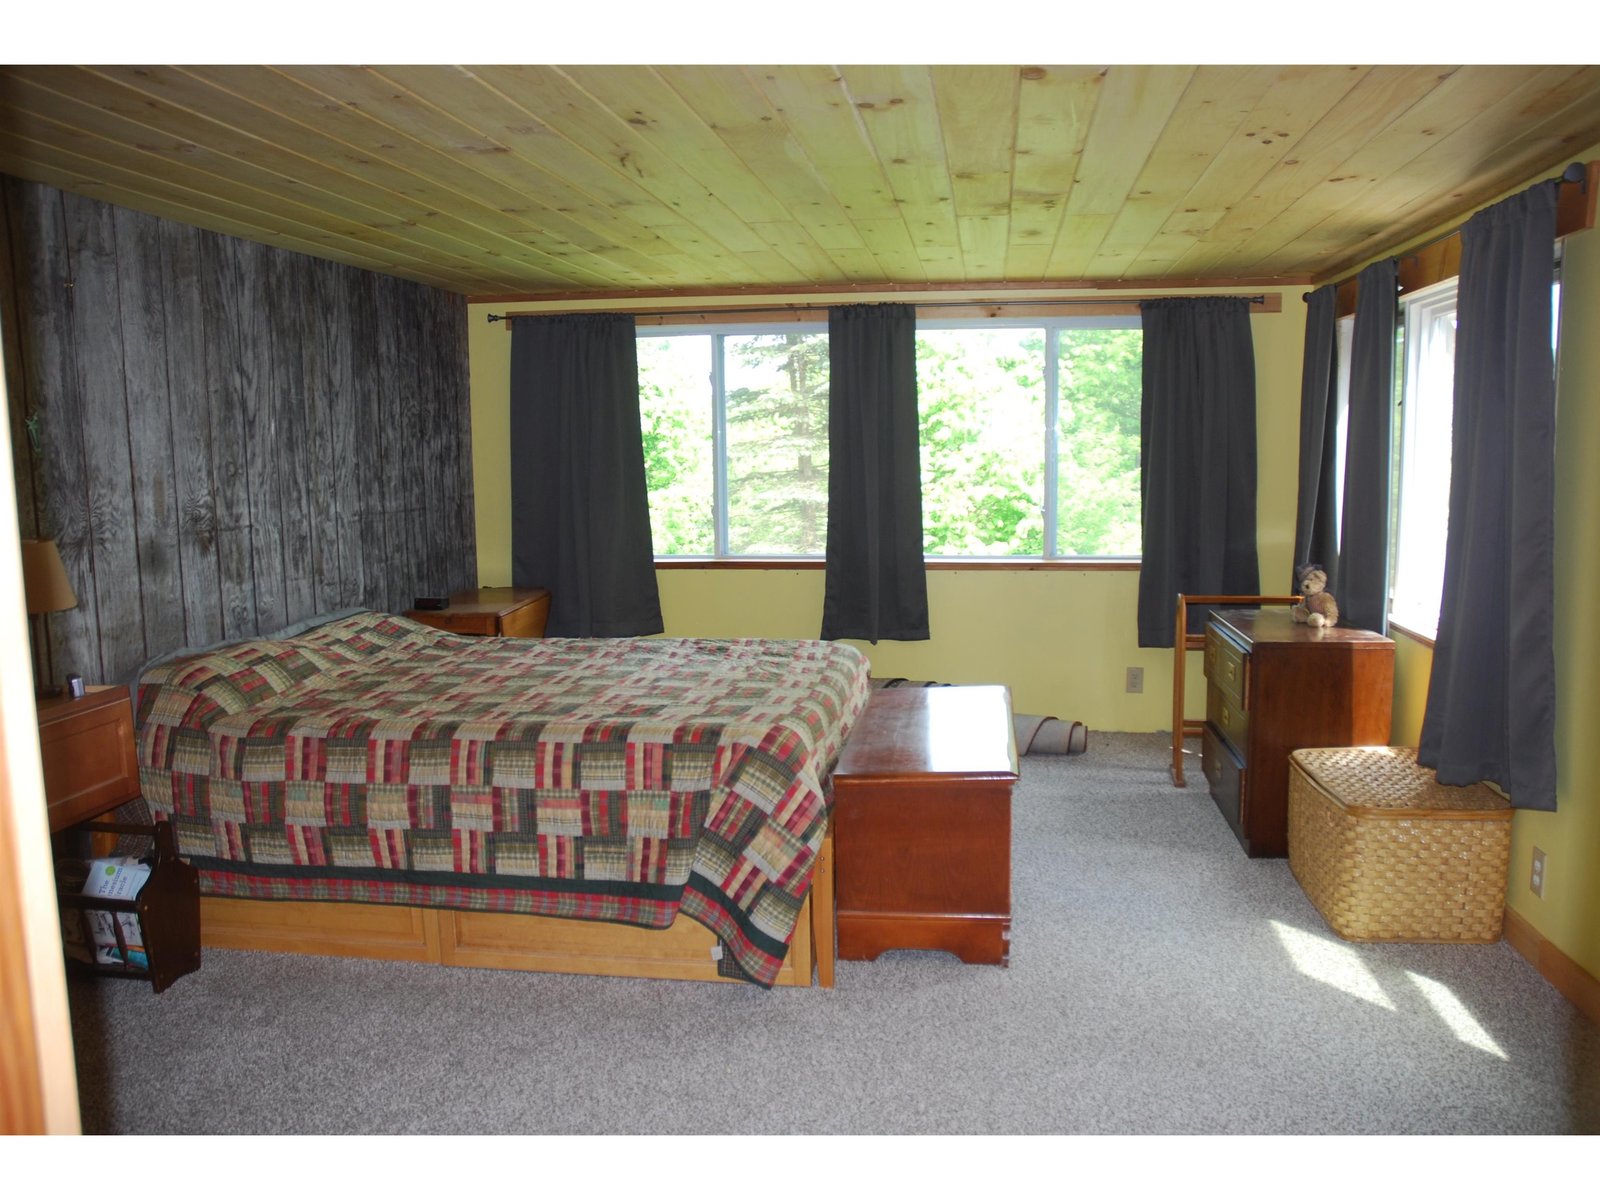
<point x="1154" y="989"/>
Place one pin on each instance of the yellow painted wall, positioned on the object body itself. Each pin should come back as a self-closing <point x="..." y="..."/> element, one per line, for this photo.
<point x="1569" y="913"/>
<point x="1061" y="640"/>
<point x="1413" y="660"/>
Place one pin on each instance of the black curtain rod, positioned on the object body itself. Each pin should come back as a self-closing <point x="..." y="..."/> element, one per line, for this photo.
<point x="789" y="308"/>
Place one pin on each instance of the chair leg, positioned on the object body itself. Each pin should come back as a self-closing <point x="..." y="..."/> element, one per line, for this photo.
<point x="1180" y="640"/>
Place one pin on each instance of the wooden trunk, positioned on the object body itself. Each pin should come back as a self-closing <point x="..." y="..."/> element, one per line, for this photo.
<point x="922" y="821"/>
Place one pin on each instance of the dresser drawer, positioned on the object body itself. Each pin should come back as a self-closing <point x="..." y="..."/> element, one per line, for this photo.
<point x="1225" y="773"/>
<point x="1233" y="722"/>
<point x="1227" y="666"/>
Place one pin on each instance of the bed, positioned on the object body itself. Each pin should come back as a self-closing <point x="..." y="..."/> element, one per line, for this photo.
<point x="373" y="786"/>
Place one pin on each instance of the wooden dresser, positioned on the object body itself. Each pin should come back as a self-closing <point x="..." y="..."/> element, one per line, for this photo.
<point x="491" y="612"/>
<point x="1273" y="686"/>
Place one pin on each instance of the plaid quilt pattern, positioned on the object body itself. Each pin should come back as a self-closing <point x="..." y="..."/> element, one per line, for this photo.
<point x="376" y="759"/>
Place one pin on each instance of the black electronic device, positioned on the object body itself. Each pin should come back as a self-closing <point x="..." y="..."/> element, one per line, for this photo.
<point x="430" y="603"/>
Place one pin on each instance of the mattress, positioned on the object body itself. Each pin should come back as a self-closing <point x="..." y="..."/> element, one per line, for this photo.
<point x="374" y="759"/>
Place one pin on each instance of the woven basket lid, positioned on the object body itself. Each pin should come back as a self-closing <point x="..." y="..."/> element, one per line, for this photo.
<point x="1388" y="779"/>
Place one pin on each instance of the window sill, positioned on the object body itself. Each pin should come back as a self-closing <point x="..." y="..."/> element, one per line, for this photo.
<point x="1422" y="639"/>
<point x="933" y="564"/>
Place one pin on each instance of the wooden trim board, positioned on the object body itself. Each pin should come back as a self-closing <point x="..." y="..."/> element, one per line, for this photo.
<point x="1570" y="979"/>
<point x="473" y="939"/>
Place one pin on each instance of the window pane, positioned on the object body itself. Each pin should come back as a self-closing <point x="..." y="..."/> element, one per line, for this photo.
<point x="981" y="405"/>
<point x="1099" y="374"/>
<point x="1425" y="461"/>
<point x="675" y="416"/>
<point x="777" y="426"/>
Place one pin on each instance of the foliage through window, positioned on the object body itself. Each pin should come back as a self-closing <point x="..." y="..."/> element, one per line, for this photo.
<point x="736" y="442"/>
<point x="1029" y="439"/>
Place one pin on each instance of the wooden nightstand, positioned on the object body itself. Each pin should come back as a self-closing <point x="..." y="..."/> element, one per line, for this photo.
<point x="491" y="612"/>
<point x="86" y="746"/>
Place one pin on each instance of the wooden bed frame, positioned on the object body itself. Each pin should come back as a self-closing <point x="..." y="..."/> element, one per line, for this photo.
<point x="512" y="942"/>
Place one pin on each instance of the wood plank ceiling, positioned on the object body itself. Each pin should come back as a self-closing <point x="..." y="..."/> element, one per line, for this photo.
<point x="538" y="180"/>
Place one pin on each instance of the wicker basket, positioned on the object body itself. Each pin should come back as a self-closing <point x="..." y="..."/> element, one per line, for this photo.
<point x="1389" y="854"/>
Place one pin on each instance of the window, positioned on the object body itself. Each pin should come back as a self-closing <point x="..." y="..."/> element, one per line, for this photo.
<point x="1029" y="433"/>
<point x="736" y="441"/>
<point x="1344" y="330"/>
<point x="1030" y="438"/>
<point x="1422" y="468"/>
<point x="1422" y="488"/>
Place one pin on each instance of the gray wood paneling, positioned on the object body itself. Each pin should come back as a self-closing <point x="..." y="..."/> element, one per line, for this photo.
<point x="51" y="397"/>
<point x="141" y="294"/>
<point x="11" y="347"/>
<point x="372" y="492"/>
<point x="112" y="552"/>
<point x="232" y="437"/>
<point x="198" y="560"/>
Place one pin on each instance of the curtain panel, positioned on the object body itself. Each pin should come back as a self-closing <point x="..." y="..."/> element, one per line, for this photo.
<point x="1363" y="573"/>
<point x="580" y="513"/>
<point x="1490" y="714"/>
<point x="876" y="585"/>
<point x="1316" y="529"/>
<point x="1197" y="458"/>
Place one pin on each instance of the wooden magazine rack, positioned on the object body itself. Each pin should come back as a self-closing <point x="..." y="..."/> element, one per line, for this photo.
<point x="168" y="908"/>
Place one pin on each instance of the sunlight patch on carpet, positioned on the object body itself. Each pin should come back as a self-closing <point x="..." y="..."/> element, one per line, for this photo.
<point x="1454" y="1014"/>
<point x="1331" y="963"/>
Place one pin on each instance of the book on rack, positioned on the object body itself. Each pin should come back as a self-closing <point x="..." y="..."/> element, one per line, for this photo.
<point x="112" y="879"/>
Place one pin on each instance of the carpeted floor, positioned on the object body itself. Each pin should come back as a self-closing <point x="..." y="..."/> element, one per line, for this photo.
<point x="1161" y="983"/>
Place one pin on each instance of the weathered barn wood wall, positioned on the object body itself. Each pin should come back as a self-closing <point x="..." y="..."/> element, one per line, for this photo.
<point x="222" y="437"/>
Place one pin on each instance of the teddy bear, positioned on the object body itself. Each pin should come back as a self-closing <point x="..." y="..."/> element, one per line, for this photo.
<point x="1317" y="608"/>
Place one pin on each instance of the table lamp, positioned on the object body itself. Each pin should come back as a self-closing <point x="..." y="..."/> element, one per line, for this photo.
<point x="44" y="579"/>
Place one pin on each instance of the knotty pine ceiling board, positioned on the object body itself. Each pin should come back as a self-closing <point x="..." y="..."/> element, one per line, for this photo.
<point x="593" y="180"/>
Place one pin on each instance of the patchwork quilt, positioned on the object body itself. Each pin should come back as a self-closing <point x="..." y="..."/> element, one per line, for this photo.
<point x="378" y="760"/>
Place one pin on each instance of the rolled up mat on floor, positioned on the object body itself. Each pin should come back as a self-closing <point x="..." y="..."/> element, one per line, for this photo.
<point x="1035" y="735"/>
<point x="1050" y="735"/>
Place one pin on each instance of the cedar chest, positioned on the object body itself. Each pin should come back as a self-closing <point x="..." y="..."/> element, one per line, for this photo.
<point x="1389" y="854"/>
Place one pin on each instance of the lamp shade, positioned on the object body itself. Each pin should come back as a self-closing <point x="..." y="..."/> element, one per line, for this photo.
<point x="44" y="578"/>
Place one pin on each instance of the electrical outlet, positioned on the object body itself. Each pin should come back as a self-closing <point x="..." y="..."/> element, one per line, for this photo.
<point x="1136" y="679"/>
<point x="1536" y="876"/>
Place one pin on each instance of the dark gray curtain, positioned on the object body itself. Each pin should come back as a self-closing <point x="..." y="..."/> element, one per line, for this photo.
<point x="1316" y="529"/>
<point x="1363" y="575"/>
<point x="1197" y="458"/>
<point x="580" y="514"/>
<point x="876" y="579"/>
<point x="1491" y="699"/>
